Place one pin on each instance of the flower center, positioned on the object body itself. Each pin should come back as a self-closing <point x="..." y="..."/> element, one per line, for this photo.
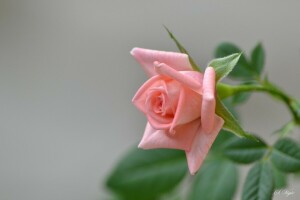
<point x="159" y="103"/>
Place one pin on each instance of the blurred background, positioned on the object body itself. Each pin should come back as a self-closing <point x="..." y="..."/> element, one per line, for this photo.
<point x="67" y="79"/>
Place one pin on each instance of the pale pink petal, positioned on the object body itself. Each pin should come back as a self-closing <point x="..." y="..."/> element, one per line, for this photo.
<point x="182" y="139"/>
<point x="164" y="69"/>
<point x="173" y="91"/>
<point x="208" y="101"/>
<point x="188" y="108"/>
<point x="147" y="57"/>
<point x="201" y="145"/>
<point x="140" y="96"/>
<point x="161" y="103"/>
<point x="158" y="113"/>
<point x="196" y="76"/>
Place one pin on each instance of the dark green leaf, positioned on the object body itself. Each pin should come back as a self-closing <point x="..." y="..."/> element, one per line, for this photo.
<point x="217" y="179"/>
<point x="245" y="151"/>
<point x="242" y="69"/>
<point x="147" y="174"/>
<point x="280" y="179"/>
<point x="221" y="139"/>
<point x="230" y="123"/>
<point x="223" y="66"/>
<point x="286" y="155"/>
<point x="182" y="50"/>
<point x="258" y="58"/>
<point x="297" y="175"/>
<point x="259" y="183"/>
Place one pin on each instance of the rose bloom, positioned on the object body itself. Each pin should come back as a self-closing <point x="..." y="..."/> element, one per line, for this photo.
<point x="179" y="104"/>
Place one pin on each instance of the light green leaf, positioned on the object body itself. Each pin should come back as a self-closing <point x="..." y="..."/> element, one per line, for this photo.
<point x="217" y="179"/>
<point x="243" y="150"/>
<point x="147" y="174"/>
<point x="286" y="155"/>
<point x="230" y="123"/>
<point x="259" y="183"/>
<point x="242" y="68"/>
<point x="223" y="66"/>
<point x="258" y="58"/>
<point x="286" y="129"/>
<point x="183" y="50"/>
<point x="295" y="104"/>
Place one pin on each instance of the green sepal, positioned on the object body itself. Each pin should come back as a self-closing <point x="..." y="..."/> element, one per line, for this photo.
<point x="183" y="50"/>
<point x="223" y="66"/>
<point x="242" y="69"/>
<point x="230" y="123"/>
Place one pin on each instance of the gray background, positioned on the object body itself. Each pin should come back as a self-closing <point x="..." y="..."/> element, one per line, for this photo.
<point x="67" y="79"/>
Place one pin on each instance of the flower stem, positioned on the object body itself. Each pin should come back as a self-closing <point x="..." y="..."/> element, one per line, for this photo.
<point x="263" y="86"/>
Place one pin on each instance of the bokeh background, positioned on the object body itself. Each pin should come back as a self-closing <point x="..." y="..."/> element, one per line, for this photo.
<point x="67" y="79"/>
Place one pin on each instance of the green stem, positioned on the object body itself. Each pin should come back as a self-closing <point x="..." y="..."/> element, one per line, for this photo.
<point x="268" y="153"/>
<point x="292" y="104"/>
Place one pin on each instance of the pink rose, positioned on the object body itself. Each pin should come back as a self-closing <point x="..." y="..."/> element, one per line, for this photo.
<point x="179" y="104"/>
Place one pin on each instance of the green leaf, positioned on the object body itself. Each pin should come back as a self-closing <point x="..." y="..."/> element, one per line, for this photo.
<point x="286" y="129"/>
<point x="147" y="174"/>
<point x="286" y="155"/>
<point x="240" y="98"/>
<point x="183" y="50"/>
<point x="232" y="109"/>
<point x="258" y="58"/>
<point x="230" y="123"/>
<point x="259" y="183"/>
<point x="297" y="175"/>
<point x="280" y="178"/>
<point x="223" y="66"/>
<point x="295" y="104"/>
<point x="221" y="139"/>
<point x="217" y="179"/>
<point x="245" y="151"/>
<point x="174" y="195"/>
<point x="242" y="69"/>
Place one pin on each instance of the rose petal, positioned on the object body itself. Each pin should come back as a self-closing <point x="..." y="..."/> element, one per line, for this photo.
<point x="140" y="96"/>
<point x="146" y="58"/>
<point x="182" y="139"/>
<point x="201" y="145"/>
<point x="162" y="68"/>
<point x="208" y="101"/>
<point x="196" y="76"/>
<point x="188" y="108"/>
